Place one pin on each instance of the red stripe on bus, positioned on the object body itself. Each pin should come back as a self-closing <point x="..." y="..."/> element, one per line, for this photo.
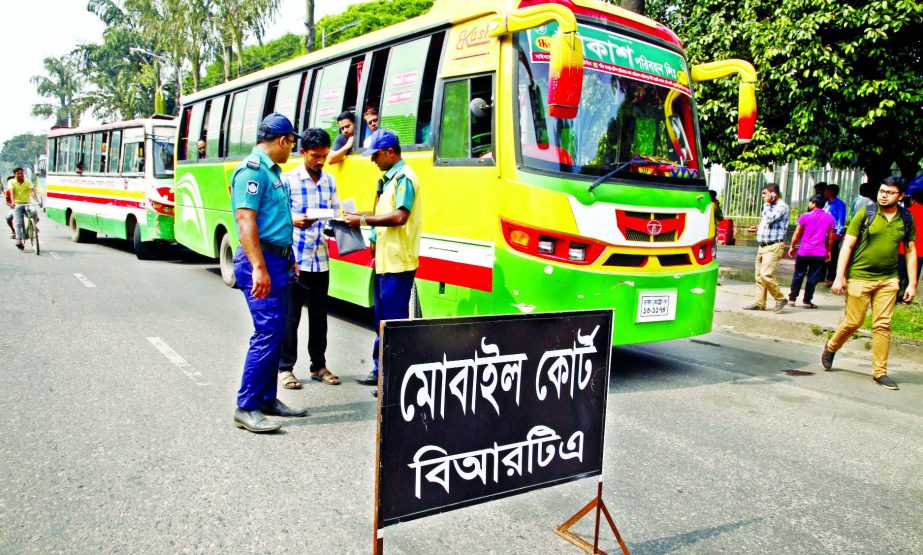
<point x="431" y="269"/>
<point x="97" y="200"/>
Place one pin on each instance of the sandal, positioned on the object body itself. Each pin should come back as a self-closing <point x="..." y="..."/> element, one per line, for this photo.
<point x="325" y="376"/>
<point x="809" y="305"/>
<point x="288" y="380"/>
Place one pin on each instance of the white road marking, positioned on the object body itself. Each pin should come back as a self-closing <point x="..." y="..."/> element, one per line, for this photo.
<point x="83" y="279"/>
<point x="54" y="255"/>
<point x="178" y="361"/>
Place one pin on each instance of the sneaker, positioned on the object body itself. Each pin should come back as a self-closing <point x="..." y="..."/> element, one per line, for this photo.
<point x="779" y="306"/>
<point x="826" y="358"/>
<point x="886" y="382"/>
<point x="753" y="306"/>
<point x="791" y="302"/>
<point x="19" y="246"/>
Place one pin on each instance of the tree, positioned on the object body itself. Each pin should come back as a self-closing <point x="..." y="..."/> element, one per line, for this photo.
<point x="64" y="84"/>
<point x="371" y="16"/>
<point x="22" y="151"/>
<point x="235" y="20"/>
<point x="310" y="34"/>
<point x="839" y="81"/>
<point x="257" y="57"/>
<point x="636" y="6"/>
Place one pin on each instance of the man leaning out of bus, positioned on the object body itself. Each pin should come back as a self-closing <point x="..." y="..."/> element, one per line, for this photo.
<point x="395" y="235"/>
<point x="260" y="203"/>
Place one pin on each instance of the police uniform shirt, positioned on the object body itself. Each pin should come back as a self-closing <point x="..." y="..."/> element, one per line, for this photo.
<point x="257" y="185"/>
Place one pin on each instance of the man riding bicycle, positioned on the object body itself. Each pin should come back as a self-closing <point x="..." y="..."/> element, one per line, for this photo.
<point x="21" y="189"/>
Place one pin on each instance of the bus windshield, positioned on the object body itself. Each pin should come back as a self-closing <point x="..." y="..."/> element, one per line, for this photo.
<point x="163" y="152"/>
<point x="636" y="107"/>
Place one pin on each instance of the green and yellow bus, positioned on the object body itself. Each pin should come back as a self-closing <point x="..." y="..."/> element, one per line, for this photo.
<point x="557" y="147"/>
<point x="115" y="179"/>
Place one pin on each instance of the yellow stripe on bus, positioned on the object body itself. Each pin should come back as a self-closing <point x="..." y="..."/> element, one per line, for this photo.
<point x="98" y="191"/>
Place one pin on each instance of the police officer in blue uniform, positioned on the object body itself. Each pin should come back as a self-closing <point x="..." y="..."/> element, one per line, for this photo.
<point x="260" y="203"/>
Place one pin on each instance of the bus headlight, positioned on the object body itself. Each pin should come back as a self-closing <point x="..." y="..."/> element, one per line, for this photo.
<point x="576" y="252"/>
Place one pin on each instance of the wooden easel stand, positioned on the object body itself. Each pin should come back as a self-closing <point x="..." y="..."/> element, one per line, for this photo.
<point x="597" y="503"/>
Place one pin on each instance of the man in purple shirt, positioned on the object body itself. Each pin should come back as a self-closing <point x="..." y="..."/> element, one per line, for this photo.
<point x="814" y="236"/>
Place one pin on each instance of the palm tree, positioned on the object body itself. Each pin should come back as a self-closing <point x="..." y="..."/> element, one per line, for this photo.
<point x="238" y="18"/>
<point x="64" y="84"/>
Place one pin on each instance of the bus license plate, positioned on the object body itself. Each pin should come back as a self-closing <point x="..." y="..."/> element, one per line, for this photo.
<point x="656" y="306"/>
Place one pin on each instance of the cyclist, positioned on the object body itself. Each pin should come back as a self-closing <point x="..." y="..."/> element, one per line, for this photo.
<point x="22" y="189"/>
<point x="8" y="197"/>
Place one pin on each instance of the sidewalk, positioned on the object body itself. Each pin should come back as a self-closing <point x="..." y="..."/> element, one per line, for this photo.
<point x="737" y="290"/>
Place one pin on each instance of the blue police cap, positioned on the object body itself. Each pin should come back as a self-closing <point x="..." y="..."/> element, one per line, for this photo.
<point x="277" y="124"/>
<point x="382" y="139"/>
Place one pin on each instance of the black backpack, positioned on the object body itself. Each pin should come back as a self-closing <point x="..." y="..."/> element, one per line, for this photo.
<point x="872" y="209"/>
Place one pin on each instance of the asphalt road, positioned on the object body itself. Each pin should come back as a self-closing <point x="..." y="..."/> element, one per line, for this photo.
<point x="119" y="385"/>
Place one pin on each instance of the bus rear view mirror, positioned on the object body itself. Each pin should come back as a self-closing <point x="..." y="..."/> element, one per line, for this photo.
<point x="565" y="75"/>
<point x="746" y="102"/>
<point x="479" y="108"/>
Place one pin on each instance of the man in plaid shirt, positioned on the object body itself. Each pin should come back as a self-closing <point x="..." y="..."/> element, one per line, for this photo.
<point x="311" y="189"/>
<point x="771" y="237"/>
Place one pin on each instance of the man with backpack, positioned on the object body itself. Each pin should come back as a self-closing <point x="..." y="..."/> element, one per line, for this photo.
<point x="867" y="271"/>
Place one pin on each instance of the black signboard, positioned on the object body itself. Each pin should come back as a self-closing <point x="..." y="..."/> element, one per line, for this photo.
<point x="474" y="409"/>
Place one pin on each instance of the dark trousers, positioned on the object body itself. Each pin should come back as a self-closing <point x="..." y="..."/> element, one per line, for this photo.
<point x="258" y="382"/>
<point x="830" y="271"/>
<point x="392" y="302"/>
<point x="311" y="287"/>
<point x="813" y="268"/>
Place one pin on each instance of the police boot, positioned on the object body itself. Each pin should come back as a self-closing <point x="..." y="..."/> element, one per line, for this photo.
<point x="254" y="421"/>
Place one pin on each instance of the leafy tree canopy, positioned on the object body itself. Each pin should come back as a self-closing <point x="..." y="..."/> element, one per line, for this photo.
<point x="371" y="16"/>
<point x="22" y="150"/>
<point x="257" y="57"/>
<point x="839" y="81"/>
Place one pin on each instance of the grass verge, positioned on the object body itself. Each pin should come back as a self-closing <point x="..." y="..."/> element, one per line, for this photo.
<point x="907" y="322"/>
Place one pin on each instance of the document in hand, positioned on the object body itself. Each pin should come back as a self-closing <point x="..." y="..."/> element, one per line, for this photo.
<point x="349" y="239"/>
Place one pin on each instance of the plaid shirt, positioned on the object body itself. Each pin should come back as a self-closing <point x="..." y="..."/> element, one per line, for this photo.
<point x="773" y="222"/>
<point x="309" y="244"/>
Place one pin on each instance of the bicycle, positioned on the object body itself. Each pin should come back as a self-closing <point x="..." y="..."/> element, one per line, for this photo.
<point x="31" y="228"/>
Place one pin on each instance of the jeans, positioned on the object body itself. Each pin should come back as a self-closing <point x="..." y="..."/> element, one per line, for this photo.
<point x="811" y="266"/>
<point x="261" y="366"/>
<point x="18" y="218"/>
<point x="392" y="302"/>
<point x="310" y="286"/>
<point x="859" y="294"/>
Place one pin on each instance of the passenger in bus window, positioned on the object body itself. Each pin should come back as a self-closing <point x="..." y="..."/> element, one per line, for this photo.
<point x="395" y="235"/>
<point x="79" y="169"/>
<point x="343" y="144"/>
<point x="370" y="115"/>
<point x="314" y="199"/>
<point x="260" y="204"/>
<point x="201" y="146"/>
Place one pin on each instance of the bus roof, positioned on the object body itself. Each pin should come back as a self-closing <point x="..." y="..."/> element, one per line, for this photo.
<point x="443" y="13"/>
<point x="140" y="122"/>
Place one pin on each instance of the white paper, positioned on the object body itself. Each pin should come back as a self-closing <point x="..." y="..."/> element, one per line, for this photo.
<point x="320" y="213"/>
<point x="349" y="205"/>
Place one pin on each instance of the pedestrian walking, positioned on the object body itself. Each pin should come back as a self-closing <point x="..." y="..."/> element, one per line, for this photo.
<point x="260" y="203"/>
<point x="770" y="233"/>
<point x="312" y="190"/>
<point x="916" y="210"/>
<point x="813" y="239"/>
<point x="836" y="208"/>
<point x="395" y="236"/>
<point x="867" y="272"/>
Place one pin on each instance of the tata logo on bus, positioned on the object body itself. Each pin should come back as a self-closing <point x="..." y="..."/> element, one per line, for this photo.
<point x="654" y="227"/>
<point x="473" y="36"/>
<point x="543" y="43"/>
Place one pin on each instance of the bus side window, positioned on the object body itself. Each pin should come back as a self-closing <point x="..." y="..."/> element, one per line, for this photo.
<point x="253" y="115"/>
<point x="54" y="155"/>
<point x="466" y="128"/>
<point x="406" y="101"/>
<point x="283" y="98"/>
<point x="236" y="124"/>
<point x="99" y="152"/>
<point x="427" y="92"/>
<point x="193" y="131"/>
<point x="115" y="149"/>
<point x="214" y="131"/>
<point x="374" y="84"/>
<point x="327" y="101"/>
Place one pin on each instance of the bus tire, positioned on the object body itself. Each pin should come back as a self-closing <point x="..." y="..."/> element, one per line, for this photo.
<point x="226" y="261"/>
<point x="414" y="311"/>
<point x="143" y="250"/>
<point x="79" y="235"/>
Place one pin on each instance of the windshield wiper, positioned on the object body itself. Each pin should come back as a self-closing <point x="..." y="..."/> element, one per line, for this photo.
<point x="619" y="170"/>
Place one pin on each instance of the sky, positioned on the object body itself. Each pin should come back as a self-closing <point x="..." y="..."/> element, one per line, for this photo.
<point x="38" y="29"/>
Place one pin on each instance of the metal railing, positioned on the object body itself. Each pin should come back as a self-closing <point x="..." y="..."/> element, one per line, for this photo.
<point x="740" y="192"/>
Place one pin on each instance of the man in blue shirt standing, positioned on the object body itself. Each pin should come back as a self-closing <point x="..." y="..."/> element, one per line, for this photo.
<point x="312" y="191"/>
<point x="836" y="208"/>
<point x="260" y="203"/>
<point x="771" y="237"/>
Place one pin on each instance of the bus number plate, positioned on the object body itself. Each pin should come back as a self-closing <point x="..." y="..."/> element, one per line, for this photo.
<point x="656" y="306"/>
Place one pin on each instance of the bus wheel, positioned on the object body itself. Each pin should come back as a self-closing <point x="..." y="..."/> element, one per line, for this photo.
<point x="226" y="261"/>
<point x="142" y="250"/>
<point x="80" y="235"/>
<point x="413" y="309"/>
